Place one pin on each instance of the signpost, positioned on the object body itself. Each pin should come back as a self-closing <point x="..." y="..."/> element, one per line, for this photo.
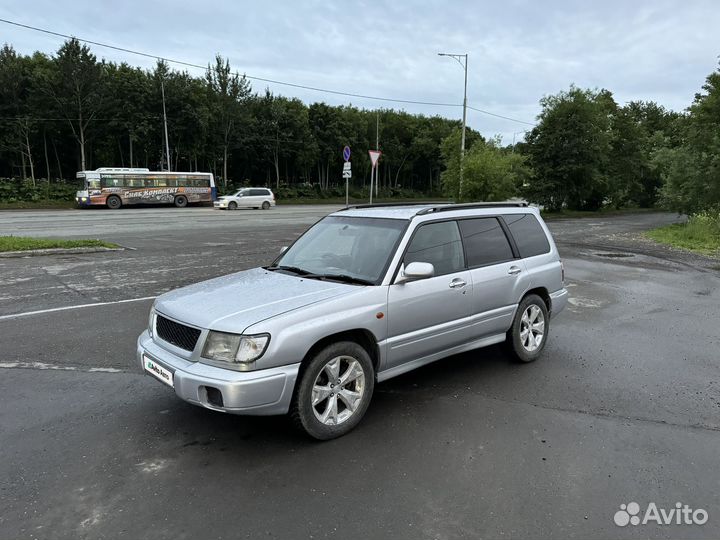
<point x="347" y="173"/>
<point x="374" y="156"/>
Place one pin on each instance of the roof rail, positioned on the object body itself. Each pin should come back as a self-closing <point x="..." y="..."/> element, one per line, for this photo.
<point x="386" y="205"/>
<point x="465" y="206"/>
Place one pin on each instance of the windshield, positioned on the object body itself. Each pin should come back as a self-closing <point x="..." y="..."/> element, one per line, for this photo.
<point x="345" y="246"/>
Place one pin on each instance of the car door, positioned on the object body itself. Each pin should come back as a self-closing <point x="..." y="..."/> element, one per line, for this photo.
<point x="244" y="199"/>
<point x="430" y="316"/>
<point x="498" y="276"/>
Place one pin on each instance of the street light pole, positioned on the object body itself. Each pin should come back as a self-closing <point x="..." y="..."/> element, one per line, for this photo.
<point x="167" y="144"/>
<point x="464" y="120"/>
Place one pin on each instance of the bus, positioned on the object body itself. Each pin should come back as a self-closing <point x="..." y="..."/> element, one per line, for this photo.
<point x="118" y="186"/>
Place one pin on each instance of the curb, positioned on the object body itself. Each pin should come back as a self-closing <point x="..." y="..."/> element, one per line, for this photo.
<point x="56" y="251"/>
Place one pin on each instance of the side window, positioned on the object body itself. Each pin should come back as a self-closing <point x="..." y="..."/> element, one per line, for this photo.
<point x="485" y="241"/>
<point x="438" y="244"/>
<point x="112" y="182"/>
<point x="258" y="192"/>
<point x="528" y="234"/>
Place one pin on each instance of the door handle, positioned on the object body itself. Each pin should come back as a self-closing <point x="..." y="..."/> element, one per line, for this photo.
<point x="457" y="283"/>
<point x="514" y="270"/>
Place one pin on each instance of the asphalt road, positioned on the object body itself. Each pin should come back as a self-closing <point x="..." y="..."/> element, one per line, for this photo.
<point x="624" y="406"/>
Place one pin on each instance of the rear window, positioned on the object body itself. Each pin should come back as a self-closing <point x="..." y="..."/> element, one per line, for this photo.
<point x="528" y="234"/>
<point x="485" y="241"/>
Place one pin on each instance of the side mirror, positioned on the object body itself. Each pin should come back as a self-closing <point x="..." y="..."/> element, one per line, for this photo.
<point x="283" y="249"/>
<point x="415" y="271"/>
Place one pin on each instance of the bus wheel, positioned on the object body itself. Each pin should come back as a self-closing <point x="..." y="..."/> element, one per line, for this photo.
<point x="266" y="205"/>
<point x="181" y="201"/>
<point x="113" y="202"/>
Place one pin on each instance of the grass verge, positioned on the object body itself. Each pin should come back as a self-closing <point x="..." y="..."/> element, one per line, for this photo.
<point x="701" y="234"/>
<point x="37" y="205"/>
<point x="22" y="243"/>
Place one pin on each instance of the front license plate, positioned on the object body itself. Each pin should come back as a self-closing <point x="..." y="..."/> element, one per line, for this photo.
<point x="159" y="372"/>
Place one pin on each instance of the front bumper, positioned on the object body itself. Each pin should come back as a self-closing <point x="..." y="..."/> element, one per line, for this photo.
<point x="558" y="301"/>
<point x="262" y="392"/>
<point x="220" y="204"/>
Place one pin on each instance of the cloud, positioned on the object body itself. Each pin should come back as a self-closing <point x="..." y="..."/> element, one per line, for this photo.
<point x="519" y="51"/>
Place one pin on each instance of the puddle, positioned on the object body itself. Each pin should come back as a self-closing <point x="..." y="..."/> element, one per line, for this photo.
<point x="615" y="255"/>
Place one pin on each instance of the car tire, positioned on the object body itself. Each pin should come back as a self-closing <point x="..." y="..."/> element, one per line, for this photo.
<point x="113" y="202"/>
<point x="266" y="205"/>
<point x="527" y="337"/>
<point x="181" y="201"/>
<point x="232" y="205"/>
<point x="335" y="412"/>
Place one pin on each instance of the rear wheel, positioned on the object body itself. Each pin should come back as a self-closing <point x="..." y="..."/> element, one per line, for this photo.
<point x="265" y="205"/>
<point x="181" y="201"/>
<point x="334" y="391"/>
<point x="113" y="202"/>
<point x="527" y="337"/>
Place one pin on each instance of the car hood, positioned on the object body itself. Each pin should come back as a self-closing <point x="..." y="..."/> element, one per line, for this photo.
<point x="232" y="303"/>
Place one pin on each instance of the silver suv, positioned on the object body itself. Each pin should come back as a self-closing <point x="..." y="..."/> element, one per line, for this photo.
<point x="365" y="294"/>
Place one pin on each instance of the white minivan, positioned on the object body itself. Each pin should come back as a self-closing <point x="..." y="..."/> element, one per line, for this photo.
<point x="247" y="198"/>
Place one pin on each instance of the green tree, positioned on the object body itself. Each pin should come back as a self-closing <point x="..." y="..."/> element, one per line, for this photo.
<point x="569" y="150"/>
<point x="229" y="91"/>
<point x="450" y="150"/>
<point x="76" y="85"/>
<point x="490" y="173"/>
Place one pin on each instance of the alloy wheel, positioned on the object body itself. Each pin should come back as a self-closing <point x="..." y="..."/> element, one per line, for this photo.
<point x="338" y="390"/>
<point x="532" y="328"/>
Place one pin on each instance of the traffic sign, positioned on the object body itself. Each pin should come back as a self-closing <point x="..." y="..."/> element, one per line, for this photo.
<point x="346" y="153"/>
<point x="374" y="156"/>
<point x="347" y="170"/>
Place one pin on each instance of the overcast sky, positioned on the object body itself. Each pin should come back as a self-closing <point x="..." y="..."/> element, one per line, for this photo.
<point x="518" y="51"/>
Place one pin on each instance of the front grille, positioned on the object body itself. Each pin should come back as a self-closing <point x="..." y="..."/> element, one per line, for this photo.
<point x="178" y="334"/>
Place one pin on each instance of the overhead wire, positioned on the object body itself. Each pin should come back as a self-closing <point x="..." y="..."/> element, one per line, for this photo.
<point x="261" y="79"/>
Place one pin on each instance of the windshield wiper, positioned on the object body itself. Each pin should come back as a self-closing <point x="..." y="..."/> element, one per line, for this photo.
<point x="346" y="278"/>
<point x="343" y="277"/>
<point x="294" y="269"/>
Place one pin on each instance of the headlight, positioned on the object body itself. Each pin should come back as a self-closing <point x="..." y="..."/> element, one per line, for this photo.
<point x="151" y="323"/>
<point x="234" y="347"/>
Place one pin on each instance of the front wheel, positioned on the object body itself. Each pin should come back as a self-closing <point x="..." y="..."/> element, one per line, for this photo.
<point x="527" y="337"/>
<point x="334" y="391"/>
<point x="232" y="205"/>
<point x="181" y="201"/>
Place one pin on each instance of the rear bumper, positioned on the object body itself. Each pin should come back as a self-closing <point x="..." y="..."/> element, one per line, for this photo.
<point x="558" y="301"/>
<point x="262" y="392"/>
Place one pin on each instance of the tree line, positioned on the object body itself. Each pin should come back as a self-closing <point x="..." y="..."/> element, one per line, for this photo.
<point x="71" y="111"/>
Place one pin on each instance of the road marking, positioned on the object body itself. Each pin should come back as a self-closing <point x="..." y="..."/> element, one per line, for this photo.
<point x="80" y="306"/>
<point x="43" y="365"/>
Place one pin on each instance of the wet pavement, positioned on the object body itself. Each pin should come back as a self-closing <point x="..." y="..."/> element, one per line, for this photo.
<point x="623" y="406"/>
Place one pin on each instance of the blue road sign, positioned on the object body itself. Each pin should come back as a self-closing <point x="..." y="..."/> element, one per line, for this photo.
<point x="346" y="153"/>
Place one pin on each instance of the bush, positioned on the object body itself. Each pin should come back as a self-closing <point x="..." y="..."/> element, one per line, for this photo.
<point x="14" y="190"/>
<point x="700" y="233"/>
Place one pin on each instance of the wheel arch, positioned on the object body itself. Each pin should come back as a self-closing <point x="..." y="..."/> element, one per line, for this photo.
<point x="361" y="336"/>
<point x="543" y="293"/>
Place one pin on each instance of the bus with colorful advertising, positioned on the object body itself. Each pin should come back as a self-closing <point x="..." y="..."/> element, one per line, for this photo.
<point x="115" y="187"/>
